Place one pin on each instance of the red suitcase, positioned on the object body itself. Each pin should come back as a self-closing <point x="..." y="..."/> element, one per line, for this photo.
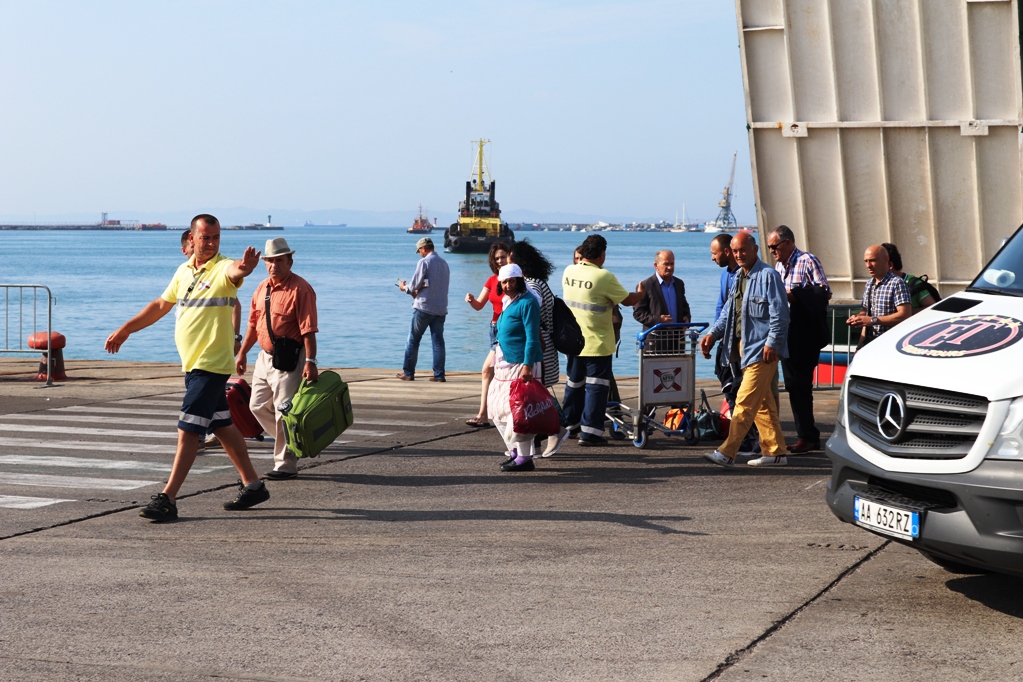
<point x="238" y="394"/>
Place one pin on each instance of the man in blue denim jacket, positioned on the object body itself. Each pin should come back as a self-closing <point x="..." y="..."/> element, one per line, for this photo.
<point x="754" y="326"/>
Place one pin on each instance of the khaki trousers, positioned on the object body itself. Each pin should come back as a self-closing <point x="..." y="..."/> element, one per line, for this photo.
<point x="756" y="404"/>
<point x="270" y="388"/>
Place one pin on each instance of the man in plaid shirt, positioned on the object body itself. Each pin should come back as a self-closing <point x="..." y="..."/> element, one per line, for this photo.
<point x="808" y="293"/>
<point x="886" y="300"/>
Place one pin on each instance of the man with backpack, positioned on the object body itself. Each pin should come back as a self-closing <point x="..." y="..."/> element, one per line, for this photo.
<point x="922" y="294"/>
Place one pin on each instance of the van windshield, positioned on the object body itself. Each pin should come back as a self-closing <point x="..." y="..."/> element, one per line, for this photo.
<point x="1004" y="274"/>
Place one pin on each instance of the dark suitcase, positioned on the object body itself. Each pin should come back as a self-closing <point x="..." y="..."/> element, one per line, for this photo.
<point x="238" y="394"/>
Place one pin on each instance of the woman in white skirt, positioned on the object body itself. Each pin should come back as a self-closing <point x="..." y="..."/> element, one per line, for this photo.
<point x="537" y="269"/>
<point x="518" y="356"/>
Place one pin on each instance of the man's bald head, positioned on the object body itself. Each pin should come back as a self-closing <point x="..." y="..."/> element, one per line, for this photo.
<point x="664" y="264"/>
<point x="744" y="248"/>
<point x="876" y="260"/>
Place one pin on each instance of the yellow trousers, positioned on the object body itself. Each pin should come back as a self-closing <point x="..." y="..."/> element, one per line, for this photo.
<point x="755" y="404"/>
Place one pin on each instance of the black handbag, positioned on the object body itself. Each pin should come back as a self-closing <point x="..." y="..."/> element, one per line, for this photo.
<point x="286" y="350"/>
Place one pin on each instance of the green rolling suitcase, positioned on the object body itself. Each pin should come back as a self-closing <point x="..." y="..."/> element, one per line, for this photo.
<point x="317" y="414"/>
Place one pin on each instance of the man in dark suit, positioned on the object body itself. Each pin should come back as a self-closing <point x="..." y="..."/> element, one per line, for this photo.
<point x="666" y="295"/>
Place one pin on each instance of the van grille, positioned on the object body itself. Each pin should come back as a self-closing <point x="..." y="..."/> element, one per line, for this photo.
<point x="935" y="424"/>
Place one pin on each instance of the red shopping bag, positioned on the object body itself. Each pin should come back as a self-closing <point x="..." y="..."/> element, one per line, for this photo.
<point x="533" y="409"/>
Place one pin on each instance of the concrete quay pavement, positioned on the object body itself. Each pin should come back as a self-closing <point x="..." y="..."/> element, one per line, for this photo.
<point x="403" y="553"/>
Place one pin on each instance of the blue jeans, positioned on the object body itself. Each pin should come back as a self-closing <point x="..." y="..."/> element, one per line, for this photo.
<point x="420" y="323"/>
<point x="585" y="405"/>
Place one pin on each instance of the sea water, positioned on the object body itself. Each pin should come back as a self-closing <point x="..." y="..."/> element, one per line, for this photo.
<point x="101" y="279"/>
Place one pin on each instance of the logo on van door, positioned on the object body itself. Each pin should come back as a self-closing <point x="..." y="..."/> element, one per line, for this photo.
<point x="964" y="336"/>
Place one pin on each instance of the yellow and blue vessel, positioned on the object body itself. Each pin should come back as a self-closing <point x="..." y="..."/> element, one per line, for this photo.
<point x="479" y="215"/>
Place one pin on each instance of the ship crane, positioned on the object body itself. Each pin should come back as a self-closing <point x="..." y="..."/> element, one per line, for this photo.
<point x="726" y="218"/>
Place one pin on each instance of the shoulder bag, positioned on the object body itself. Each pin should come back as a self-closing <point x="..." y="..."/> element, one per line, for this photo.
<point x="285" y="350"/>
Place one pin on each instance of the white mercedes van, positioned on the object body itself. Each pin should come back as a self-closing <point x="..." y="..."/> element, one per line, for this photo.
<point x="928" y="448"/>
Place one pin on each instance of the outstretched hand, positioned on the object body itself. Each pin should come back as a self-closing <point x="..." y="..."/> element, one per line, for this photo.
<point x="115" y="340"/>
<point x="248" y="261"/>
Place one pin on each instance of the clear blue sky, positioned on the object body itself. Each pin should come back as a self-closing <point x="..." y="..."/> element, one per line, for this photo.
<point x="622" y="109"/>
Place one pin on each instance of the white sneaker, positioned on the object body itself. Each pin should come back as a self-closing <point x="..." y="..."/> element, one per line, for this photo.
<point x="720" y="458"/>
<point x="765" y="461"/>
<point x="555" y="442"/>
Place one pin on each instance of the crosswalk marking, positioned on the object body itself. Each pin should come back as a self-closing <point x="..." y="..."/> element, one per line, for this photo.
<point x="93" y="463"/>
<point x="367" y="432"/>
<point x="152" y="403"/>
<point x="118" y="420"/>
<point x="91" y="409"/>
<point x="19" y="502"/>
<point x="391" y="422"/>
<point x="64" y="430"/>
<point x="137" y="448"/>
<point x="96" y="415"/>
<point x="89" y="419"/>
<point x="48" y="481"/>
<point x="140" y="448"/>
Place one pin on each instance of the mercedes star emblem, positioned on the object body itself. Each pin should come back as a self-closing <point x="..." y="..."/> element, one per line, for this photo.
<point x="891" y="416"/>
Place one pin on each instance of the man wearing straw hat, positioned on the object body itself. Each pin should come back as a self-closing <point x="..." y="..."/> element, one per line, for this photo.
<point x="287" y="347"/>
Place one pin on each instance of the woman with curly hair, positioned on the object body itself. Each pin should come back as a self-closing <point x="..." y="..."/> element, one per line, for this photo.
<point x="498" y="257"/>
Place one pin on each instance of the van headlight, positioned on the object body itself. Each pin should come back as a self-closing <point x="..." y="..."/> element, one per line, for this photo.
<point x="841" y="403"/>
<point x="1009" y="444"/>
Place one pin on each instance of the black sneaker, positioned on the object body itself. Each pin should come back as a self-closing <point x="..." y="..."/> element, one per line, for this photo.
<point x="248" y="498"/>
<point x="592" y="441"/>
<point x="160" y="509"/>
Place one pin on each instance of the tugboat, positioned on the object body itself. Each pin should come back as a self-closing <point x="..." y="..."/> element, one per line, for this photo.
<point x="421" y="225"/>
<point x="479" y="215"/>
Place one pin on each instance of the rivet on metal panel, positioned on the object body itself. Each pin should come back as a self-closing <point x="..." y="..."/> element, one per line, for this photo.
<point x="974" y="128"/>
<point x="793" y="129"/>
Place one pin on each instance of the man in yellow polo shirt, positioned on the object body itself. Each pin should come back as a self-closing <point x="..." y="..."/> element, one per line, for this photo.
<point x="203" y="290"/>
<point x="592" y="292"/>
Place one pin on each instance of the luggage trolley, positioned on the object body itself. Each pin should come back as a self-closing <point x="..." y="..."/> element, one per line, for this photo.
<point x="667" y="376"/>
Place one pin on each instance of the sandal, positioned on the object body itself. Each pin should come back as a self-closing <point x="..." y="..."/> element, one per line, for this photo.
<point x="478" y="423"/>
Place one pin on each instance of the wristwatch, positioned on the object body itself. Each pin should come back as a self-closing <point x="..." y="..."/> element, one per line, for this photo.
<point x="238" y="338"/>
<point x="875" y="321"/>
<point x="311" y="361"/>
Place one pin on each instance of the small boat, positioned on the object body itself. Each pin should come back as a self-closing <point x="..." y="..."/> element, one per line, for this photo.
<point x="421" y="225"/>
<point x="479" y="215"/>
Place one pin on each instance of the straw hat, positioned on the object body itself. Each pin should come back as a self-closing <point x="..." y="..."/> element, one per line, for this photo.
<point x="276" y="247"/>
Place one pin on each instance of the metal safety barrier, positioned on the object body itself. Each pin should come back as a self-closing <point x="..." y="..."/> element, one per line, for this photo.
<point x="841" y="348"/>
<point x="22" y="303"/>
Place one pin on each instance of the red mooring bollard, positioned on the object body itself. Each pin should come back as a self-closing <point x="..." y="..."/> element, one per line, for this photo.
<point x="57" y="343"/>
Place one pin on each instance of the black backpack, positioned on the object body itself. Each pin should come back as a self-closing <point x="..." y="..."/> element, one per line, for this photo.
<point x="921" y="284"/>
<point x="568" y="336"/>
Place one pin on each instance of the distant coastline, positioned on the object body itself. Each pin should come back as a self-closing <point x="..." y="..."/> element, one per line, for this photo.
<point x="126" y="228"/>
